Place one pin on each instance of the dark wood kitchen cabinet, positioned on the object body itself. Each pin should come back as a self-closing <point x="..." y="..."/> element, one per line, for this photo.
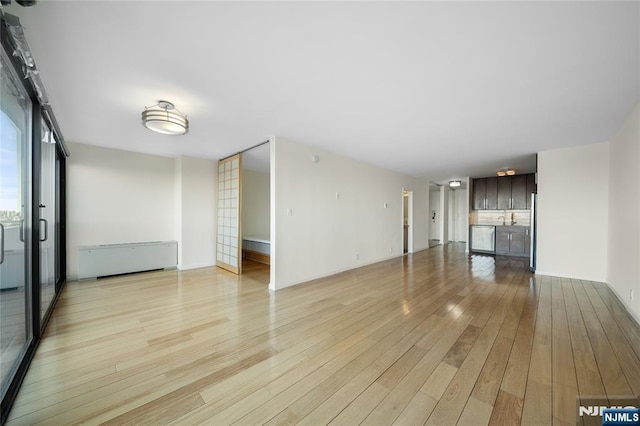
<point x="512" y="241"/>
<point x="485" y="194"/>
<point x="519" y="192"/>
<point x="502" y="240"/>
<point x="479" y="193"/>
<point x="518" y="245"/>
<point x="504" y="193"/>
<point x="513" y="192"/>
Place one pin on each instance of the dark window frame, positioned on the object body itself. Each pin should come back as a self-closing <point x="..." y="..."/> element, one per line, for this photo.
<point x="39" y="112"/>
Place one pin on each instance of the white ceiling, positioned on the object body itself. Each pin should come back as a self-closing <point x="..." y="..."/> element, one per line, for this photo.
<point x="439" y="90"/>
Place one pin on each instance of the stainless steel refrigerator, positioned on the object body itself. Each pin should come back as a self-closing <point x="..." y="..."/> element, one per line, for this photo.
<point x="534" y="232"/>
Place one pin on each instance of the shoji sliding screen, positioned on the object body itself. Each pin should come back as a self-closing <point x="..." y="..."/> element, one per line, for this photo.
<point x="229" y="243"/>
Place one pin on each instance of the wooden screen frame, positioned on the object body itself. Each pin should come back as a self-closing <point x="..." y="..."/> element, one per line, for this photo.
<point x="225" y="249"/>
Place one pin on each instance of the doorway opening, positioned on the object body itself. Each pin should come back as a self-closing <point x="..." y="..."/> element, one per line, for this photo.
<point x="407" y="221"/>
<point x="255" y="215"/>
<point x="435" y="215"/>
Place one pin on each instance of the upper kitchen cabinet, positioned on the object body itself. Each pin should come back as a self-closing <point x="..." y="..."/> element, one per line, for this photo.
<point x="512" y="192"/>
<point x="485" y="194"/>
<point x="519" y="195"/>
<point x="504" y="193"/>
<point x="479" y="193"/>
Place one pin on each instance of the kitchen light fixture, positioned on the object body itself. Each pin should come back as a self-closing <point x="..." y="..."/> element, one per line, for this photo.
<point x="506" y="172"/>
<point x="454" y="183"/>
<point x="164" y="118"/>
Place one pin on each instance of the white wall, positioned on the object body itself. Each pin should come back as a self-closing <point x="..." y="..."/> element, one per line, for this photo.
<point x="623" y="272"/>
<point x="116" y="196"/>
<point x="317" y="234"/>
<point x="195" y="205"/>
<point x="256" y="200"/>
<point x="573" y="213"/>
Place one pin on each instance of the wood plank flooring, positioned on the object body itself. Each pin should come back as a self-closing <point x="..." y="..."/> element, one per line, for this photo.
<point x="437" y="337"/>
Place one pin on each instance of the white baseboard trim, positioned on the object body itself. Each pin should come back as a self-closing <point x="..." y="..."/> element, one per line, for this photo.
<point x="189" y="267"/>
<point x="561" y="275"/>
<point x="622" y="301"/>
<point x="339" y="271"/>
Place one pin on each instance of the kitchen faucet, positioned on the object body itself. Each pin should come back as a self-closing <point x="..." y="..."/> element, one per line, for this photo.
<point x="513" y="219"/>
<point x="503" y="220"/>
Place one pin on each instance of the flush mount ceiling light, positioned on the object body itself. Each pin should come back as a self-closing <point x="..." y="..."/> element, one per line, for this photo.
<point x="164" y="118"/>
<point x="454" y="183"/>
<point x="506" y="172"/>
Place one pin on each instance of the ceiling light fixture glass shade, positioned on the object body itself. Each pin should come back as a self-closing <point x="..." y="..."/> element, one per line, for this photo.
<point x="165" y="118"/>
<point x="506" y="172"/>
<point x="454" y="183"/>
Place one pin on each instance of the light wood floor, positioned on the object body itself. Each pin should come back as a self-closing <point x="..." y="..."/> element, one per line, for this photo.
<point x="13" y="326"/>
<point x="436" y="337"/>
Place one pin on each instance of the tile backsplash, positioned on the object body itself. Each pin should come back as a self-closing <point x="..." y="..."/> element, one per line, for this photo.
<point x="494" y="217"/>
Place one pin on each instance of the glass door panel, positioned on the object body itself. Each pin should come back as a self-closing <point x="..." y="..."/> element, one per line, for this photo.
<point x="229" y="244"/>
<point x="15" y="181"/>
<point x="47" y="218"/>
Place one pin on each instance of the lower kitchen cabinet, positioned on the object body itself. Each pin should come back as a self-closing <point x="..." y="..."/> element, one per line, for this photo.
<point x="512" y="241"/>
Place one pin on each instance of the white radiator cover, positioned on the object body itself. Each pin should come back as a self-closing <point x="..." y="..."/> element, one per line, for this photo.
<point x="113" y="259"/>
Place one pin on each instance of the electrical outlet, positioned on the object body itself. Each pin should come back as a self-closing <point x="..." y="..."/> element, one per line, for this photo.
<point x="631" y="294"/>
<point x="357" y="256"/>
<point x="337" y="195"/>
<point x="390" y="249"/>
<point x="289" y="212"/>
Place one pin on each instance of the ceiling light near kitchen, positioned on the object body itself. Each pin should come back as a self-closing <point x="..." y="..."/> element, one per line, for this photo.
<point x="506" y="172"/>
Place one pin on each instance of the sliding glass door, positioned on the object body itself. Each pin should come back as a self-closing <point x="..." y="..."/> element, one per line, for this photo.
<point x="59" y="228"/>
<point x="32" y="214"/>
<point x="47" y="219"/>
<point x="15" y="208"/>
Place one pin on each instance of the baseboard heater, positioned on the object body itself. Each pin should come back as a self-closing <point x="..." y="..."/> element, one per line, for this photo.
<point x="114" y="259"/>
